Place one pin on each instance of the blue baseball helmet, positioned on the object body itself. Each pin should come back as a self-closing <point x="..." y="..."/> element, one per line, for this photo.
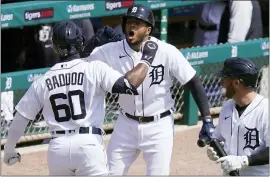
<point x="139" y="12"/>
<point x="240" y="68"/>
<point x="67" y="38"/>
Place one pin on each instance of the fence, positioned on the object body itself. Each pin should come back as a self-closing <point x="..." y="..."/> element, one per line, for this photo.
<point x="206" y="61"/>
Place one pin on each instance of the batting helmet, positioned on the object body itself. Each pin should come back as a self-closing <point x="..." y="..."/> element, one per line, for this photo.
<point x="139" y="12"/>
<point x="67" y="38"/>
<point x="240" y="68"/>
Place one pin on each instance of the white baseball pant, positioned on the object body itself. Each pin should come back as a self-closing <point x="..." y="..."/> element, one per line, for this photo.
<point x="129" y="138"/>
<point x="77" y="154"/>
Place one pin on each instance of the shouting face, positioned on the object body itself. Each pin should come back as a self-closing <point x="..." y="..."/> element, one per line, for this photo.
<point x="136" y="31"/>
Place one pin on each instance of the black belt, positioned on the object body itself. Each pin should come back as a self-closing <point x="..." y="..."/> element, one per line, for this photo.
<point x="147" y="119"/>
<point x="208" y="27"/>
<point x="82" y="130"/>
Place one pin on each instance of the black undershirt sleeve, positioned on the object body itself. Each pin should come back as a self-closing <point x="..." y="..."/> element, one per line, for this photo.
<point x="198" y="92"/>
<point x="260" y="158"/>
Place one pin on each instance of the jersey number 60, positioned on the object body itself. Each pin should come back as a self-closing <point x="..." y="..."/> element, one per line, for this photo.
<point x="69" y="110"/>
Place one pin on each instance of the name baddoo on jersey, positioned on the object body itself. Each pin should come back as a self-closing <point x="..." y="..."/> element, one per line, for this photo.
<point x="62" y="80"/>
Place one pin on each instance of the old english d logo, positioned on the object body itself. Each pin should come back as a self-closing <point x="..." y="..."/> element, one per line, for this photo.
<point x="252" y="138"/>
<point x="157" y="74"/>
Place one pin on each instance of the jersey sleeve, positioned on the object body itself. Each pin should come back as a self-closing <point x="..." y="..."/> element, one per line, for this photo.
<point x="180" y="67"/>
<point x="30" y="104"/>
<point x="107" y="75"/>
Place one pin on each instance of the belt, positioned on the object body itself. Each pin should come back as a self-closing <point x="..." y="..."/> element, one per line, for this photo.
<point x="82" y="130"/>
<point x="148" y="119"/>
<point x="208" y="27"/>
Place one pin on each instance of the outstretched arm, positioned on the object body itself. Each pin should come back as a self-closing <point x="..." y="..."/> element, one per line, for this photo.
<point x="198" y="92"/>
<point x="26" y="110"/>
<point x="16" y="130"/>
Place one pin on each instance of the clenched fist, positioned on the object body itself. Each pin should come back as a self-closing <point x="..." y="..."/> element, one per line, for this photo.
<point x="149" y="50"/>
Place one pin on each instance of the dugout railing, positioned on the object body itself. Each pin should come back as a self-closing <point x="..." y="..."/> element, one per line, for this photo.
<point x="206" y="60"/>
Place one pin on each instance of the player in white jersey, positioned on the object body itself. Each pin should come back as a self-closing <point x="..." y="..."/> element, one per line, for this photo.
<point x="146" y="121"/>
<point x="72" y="95"/>
<point x="243" y="121"/>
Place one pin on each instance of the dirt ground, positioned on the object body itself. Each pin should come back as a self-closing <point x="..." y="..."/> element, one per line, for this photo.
<point x="187" y="159"/>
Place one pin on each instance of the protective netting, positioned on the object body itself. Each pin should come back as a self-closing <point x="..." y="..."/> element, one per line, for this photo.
<point x="38" y="129"/>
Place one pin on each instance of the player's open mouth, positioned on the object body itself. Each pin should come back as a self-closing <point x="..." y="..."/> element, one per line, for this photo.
<point x="131" y="34"/>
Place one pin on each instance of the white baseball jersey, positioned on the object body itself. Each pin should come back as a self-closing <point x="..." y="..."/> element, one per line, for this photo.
<point x="154" y="93"/>
<point x="72" y="95"/>
<point x="247" y="134"/>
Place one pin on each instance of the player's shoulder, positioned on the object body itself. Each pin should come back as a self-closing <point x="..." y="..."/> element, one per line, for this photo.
<point x="227" y="107"/>
<point x="262" y="101"/>
<point x="97" y="66"/>
<point x="39" y="83"/>
<point x="111" y="46"/>
<point x="59" y="67"/>
<point x="168" y="50"/>
<point x="164" y="45"/>
<point x="98" y="63"/>
<point x="228" y="104"/>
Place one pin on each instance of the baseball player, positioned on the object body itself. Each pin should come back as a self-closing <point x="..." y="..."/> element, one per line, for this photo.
<point x="146" y="122"/>
<point x="243" y="121"/>
<point x="72" y="95"/>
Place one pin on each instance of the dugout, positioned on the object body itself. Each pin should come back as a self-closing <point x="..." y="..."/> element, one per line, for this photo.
<point x="25" y="44"/>
<point x="22" y="51"/>
<point x="24" y="47"/>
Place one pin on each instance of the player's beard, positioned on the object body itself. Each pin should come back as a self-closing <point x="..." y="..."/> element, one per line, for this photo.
<point x="230" y="92"/>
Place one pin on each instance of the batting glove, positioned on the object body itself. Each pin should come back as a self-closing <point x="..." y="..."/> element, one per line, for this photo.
<point x="11" y="157"/>
<point x="149" y="50"/>
<point x="231" y="163"/>
<point x="207" y="127"/>
<point x="212" y="154"/>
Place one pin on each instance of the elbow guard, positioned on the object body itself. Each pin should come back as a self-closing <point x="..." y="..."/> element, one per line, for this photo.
<point x="122" y="86"/>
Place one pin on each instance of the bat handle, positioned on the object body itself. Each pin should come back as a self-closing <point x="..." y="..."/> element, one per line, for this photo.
<point x="214" y="143"/>
<point x="203" y="141"/>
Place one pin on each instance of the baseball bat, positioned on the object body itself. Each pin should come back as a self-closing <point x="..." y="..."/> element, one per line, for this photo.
<point x="214" y="143"/>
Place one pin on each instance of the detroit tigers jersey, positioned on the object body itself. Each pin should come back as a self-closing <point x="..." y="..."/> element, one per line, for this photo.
<point x="72" y="95"/>
<point x="154" y="93"/>
<point x="247" y="134"/>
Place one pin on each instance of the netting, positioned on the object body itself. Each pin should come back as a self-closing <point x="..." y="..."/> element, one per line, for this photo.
<point x="38" y="129"/>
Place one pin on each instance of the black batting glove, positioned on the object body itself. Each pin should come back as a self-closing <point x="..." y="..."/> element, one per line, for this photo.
<point x="149" y="50"/>
<point x="207" y="128"/>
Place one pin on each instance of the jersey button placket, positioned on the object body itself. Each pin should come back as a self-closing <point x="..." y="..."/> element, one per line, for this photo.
<point x="138" y="103"/>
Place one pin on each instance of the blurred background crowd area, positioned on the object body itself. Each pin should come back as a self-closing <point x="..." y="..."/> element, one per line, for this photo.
<point x="30" y="47"/>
